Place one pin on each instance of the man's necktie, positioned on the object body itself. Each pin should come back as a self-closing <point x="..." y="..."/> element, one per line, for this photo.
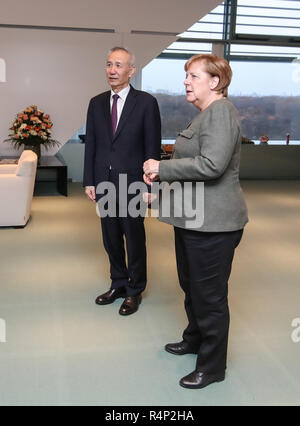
<point x="114" y="113"/>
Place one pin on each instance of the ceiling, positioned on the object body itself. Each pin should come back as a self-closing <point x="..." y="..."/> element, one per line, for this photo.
<point x="122" y="16"/>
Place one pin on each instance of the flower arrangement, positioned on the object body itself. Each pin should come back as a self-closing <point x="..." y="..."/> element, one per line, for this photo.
<point x="32" y="127"/>
<point x="264" y="139"/>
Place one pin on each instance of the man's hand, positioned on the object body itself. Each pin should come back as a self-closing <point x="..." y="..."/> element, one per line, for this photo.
<point x="90" y="192"/>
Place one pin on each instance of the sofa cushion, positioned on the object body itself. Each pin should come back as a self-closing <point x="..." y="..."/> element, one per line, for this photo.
<point x="26" y="165"/>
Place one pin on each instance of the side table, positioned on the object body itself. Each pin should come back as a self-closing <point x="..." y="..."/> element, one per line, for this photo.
<point x="51" y="162"/>
<point x="61" y="169"/>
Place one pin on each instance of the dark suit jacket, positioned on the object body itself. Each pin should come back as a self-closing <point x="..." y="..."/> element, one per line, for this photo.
<point x="138" y="137"/>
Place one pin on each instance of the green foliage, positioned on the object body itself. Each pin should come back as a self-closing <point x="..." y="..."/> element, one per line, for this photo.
<point x="274" y="116"/>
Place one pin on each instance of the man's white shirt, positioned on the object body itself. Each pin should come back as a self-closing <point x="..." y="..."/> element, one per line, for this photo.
<point x="121" y="101"/>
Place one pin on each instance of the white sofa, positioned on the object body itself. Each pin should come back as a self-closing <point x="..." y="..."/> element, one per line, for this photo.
<point x="16" y="190"/>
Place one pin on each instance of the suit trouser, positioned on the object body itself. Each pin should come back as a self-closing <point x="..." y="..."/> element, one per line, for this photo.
<point x="132" y="277"/>
<point x="204" y="262"/>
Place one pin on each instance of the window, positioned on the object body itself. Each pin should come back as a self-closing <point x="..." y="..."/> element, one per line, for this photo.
<point x="267" y="96"/>
<point x="193" y="39"/>
<point x="279" y="17"/>
<point x="164" y="79"/>
<point x="261" y="41"/>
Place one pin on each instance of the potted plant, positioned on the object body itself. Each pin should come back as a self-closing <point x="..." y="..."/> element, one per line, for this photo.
<point x="264" y="139"/>
<point x="32" y="128"/>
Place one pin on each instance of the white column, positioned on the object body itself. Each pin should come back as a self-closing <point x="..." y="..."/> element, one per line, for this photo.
<point x="136" y="81"/>
<point x="218" y="49"/>
<point x="2" y="71"/>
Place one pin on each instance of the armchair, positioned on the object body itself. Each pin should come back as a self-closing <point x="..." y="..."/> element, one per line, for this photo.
<point x="16" y="190"/>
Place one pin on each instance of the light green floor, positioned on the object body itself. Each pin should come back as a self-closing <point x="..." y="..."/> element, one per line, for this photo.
<point x="63" y="349"/>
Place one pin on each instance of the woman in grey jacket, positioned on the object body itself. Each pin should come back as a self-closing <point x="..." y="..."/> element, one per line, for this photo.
<point x="207" y="153"/>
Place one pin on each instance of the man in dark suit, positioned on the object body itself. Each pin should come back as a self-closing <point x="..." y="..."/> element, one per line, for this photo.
<point x="123" y="130"/>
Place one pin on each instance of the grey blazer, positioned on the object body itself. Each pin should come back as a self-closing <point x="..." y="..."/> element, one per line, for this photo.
<point x="208" y="151"/>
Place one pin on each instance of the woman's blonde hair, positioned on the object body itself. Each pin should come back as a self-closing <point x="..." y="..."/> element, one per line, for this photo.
<point x="216" y="67"/>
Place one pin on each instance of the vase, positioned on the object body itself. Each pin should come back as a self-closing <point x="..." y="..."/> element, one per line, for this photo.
<point x="35" y="148"/>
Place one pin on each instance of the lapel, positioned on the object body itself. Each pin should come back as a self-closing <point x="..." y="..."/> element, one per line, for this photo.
<point x="107" y="114"/>
<point x="128" y="107"/>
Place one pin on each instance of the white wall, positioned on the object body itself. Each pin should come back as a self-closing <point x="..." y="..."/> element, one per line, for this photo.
<point x="61" y="70"/>
<point x="57" y="70"/>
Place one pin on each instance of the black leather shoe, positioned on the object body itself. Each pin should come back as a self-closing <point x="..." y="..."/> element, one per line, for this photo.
<point x="198" y="380"/>
<point x="110" y="296"/>
<point x="180" y="348"/>
<point x="130" y="305"/>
